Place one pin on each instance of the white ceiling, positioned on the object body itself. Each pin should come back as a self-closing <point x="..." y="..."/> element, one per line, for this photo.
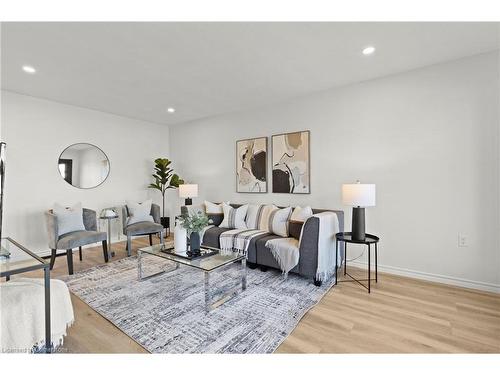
<point x="203" y="69"/>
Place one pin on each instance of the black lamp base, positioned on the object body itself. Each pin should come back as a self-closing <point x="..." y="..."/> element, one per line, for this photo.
<point x="358" y="223"/>
<point x="188" y="202"/>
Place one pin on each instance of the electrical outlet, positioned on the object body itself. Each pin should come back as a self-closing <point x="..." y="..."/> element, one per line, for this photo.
<point x="462" y="240"/>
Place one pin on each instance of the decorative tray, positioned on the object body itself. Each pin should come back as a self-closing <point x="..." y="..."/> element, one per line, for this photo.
<point x="188" y="254"/>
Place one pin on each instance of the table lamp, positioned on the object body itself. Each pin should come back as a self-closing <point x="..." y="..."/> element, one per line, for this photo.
<point x="358" y="196"/>
<point x="188" y="191"/>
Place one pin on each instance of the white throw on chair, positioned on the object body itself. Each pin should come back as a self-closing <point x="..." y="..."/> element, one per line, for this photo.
<point x="22" y="314"/>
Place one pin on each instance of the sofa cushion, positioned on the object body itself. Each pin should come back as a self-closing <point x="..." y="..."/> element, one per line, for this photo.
<point x="211" y="236"/>
<point x="264" y="254"/>
<point x="144" y="227"/>
<point x="252" y="247"/>
<point x="215" y="219"/>
<point x="79" y="238"/>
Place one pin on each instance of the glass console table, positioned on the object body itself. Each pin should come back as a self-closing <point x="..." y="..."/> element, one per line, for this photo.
<point x="22" y="260"/>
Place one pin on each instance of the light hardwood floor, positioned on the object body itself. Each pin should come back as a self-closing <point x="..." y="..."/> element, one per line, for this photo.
<point x="401" y="315"/>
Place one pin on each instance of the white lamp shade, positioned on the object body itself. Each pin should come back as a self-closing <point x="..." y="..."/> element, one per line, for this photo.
<point x="358" y="195"/>
<point x="188" y="191"/>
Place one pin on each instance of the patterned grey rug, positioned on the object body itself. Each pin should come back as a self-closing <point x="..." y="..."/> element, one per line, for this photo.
<point x="165" y="314"/>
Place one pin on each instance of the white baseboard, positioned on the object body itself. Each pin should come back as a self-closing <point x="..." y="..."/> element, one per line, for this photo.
<point x="488" y="287"/>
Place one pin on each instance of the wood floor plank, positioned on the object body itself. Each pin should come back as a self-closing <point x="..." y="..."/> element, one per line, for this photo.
<point x="401" y="315"/>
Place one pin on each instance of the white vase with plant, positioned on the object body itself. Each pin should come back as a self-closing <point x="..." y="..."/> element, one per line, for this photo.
<point x="194" y="223"/>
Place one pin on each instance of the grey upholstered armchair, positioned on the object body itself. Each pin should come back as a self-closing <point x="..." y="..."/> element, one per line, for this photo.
<point x="72" y="240"/>
<point x="142" y="228"/>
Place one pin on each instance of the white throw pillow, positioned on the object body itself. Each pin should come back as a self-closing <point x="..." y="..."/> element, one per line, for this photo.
<point x="301" y="213"/>
<point x="278" y="221"/>
<point x="234" y="218"/>
<point x="264" y="216"/>
<point x="68" y="219"/>
<point x="254" y="213"/>
<point x="213" y="208"/>
<point x="139" y="212"/>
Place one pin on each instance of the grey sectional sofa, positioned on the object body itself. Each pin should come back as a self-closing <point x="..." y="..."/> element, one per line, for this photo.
<point x="260" y="256"/>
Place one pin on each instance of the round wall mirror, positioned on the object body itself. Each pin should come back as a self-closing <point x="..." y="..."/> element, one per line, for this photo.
<point x="83" y="165"/>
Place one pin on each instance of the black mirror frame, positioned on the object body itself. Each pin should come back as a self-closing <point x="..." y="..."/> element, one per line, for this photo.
<point x="84" y="143"/>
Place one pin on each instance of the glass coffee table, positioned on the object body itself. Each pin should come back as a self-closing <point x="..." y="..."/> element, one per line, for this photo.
<point x="205" y="264"/>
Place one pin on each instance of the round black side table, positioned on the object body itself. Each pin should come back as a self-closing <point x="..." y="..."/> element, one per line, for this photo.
<point x="369" y="240"/>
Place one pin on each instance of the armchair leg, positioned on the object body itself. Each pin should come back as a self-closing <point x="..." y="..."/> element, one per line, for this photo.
<point x="69" y="257"/>
<point x="150" y="240"/>
<point x="105" y="250"/>
<point x="52" y="258"/>
<point x="80" y="253"/>
<point x="129" y="246"/>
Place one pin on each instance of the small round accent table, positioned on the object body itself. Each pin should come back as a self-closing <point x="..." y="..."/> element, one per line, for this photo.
<point x="369" y="240"/>
<point x="108" y="219"/>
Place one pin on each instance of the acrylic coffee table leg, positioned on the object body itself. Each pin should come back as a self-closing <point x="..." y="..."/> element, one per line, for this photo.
<point x="244" y="274"/>
<point x="207" y="292"/>
<point x="139" y="264"/>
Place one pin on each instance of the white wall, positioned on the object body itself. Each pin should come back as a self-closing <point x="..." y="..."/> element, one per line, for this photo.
<point x="427" y="138"/>
<point x="37" y="131"/>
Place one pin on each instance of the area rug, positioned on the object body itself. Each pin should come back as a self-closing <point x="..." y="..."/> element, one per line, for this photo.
<point x="165" y="314"/>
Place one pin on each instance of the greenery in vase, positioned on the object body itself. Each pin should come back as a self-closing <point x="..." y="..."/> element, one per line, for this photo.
<point x="194" y="222"/>
<point x="165" y="178"/>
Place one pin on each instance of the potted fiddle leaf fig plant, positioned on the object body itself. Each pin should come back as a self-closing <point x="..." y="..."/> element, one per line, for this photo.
<point x="165" y="179"/>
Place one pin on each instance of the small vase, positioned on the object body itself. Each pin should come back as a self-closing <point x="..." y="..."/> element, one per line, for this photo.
<point x="194" y="240"/>
<point x="180" y="239"/>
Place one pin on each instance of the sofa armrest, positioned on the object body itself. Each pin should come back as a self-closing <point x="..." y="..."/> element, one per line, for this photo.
<point x="308" y="260"/>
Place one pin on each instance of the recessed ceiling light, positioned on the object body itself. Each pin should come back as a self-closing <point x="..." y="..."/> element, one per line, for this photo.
<point x="29" y="69"/>
<point x="368" y="50"/>
<point x="170" y="110"/>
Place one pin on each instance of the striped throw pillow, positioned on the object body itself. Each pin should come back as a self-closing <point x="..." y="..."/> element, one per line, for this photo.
<point x="234" y="218"/>
<point x="254" y="213"/>
<point x="279" y="220"/>
<point x="263" y="219"/>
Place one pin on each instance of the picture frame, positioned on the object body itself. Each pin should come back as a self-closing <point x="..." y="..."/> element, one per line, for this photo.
<point x="291" y="162"/>
<point x="251" y="165"/>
